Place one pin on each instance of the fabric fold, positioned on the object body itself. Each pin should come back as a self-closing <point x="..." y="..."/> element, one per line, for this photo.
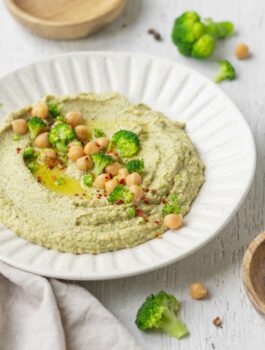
<point x="37" y="313"/>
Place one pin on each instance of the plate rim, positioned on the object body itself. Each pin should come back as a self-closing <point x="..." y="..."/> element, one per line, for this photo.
<point x="144" y="269"/>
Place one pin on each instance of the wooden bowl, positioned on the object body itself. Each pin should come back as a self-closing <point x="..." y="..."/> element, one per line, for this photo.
<point x="65" y="19"/>
<point x="254" y="272"/>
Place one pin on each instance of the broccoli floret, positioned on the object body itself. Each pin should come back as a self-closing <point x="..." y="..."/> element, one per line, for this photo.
<point x="60" y="118"/>
<point x="31" y="166"/>
<point x="172" y="207"/>
<point x="131" y="212"/>
<point x="98" y="132"/>
<point x="54" y="110"/>
<point x="60" y="136"/>
<point x="203" y="47"/>
<point x="88" y="180"/>
<point x="219" y="29"/>
<point x="120" y="195"/>
<point x="29" y="154"/>
<point x="160" y="312"/>
<point x="126" y="143"/>
<point x="135" y="165"/>
<point x="186" y="30"/>
<point x="226" y="71"/>
<point x="35" y="125"/>
<point x="196" y="38"/>
<point x="101" y="160"/>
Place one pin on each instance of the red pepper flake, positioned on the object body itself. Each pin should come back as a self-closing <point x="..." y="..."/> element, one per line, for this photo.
<point x="39" y="179"/>
<point x="158" y="222"/>
<point x="139" y="212"/>
<point x="99" y="196"/>
<point x="146" y="189"/>
<point x="154" y="192"/>
<point x="120" y="201"/>
<point x="164" y="201"/>
<point x="122" y="181"/>
<point x="49" y="166"/>
<point x="146" y="201"/>
<point x="18" y="150"/>
<point x="53" y="178"/>
<point x="97" y="144"/>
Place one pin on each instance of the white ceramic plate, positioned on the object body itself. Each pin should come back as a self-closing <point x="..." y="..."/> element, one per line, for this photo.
<point x="214" y="124"/>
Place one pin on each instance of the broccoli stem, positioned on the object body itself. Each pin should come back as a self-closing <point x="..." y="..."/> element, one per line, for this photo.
<point x="173" y="326"/>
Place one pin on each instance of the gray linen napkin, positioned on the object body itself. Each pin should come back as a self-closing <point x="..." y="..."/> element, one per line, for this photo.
<point x="37" y="313"/>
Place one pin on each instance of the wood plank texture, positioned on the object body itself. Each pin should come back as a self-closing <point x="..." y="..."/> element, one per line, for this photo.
<point x="218" y="264"/>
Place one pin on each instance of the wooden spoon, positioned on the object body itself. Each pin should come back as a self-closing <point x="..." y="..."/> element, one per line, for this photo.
<point x="65" y="19"/>
<point x="254" y="272"/>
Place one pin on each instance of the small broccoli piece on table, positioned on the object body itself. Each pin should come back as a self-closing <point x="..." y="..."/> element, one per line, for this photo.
<point x="186" y="30"/>
<point x="60" y="136"/>
<point x="98" y="132"/>
<point x="220" y="30"/>
<point x="126" y="143"/>
<point x="29" y="154"/>
<point x="160" y="312"/>
<point x="197" y="38"/>
<point x="35" y="125"/>
<point x="54" y="110"/>
<point x="101" y="160"/>
<point x="226" y="71"/>
<point x="203" y="47"/>
<point x="172" y="207"/>
<point x="120" y="195"/>
<point x="88" y="180"/>
<point x="135" y="165"/>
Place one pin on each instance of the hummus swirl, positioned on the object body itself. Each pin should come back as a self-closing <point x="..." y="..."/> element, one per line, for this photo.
<point x="76" y="223"/>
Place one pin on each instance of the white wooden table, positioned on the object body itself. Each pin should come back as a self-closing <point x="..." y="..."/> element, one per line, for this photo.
<point x="218" y="264"/>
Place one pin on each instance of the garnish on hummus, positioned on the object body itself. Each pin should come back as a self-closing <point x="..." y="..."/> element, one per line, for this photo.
<point x="95" y="173"/>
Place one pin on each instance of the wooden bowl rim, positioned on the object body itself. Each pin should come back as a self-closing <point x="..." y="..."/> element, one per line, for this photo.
<point x="16" y="10"/>
<point x="246" y="267"/>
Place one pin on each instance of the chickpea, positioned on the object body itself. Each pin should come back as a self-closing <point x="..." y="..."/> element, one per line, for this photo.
<point x="133" y="179"/>
<point x="42" y="140"/>
<point x="123" y="173"/>
<point x="101" y="180"/>
<point x="74" y="118"/>
<point x="50" y="153"/>
<point x="92" y="147"/>
<point x="82" y="132"/>
<point x="75" y="152"/>
<point x="103" y="142"/>
<point x="242" y="51"/>
<point x="173" y="221"/>
<point x="84" y="163"/>
<point x="41" y="110"/>
<point x="110" y="185"/>
<point x="20" y="126"/>
<point x="137" y="191"/>
<point x="198" y="290"/>
<point x="114" y="155"/>
<point x="113" y="169"/>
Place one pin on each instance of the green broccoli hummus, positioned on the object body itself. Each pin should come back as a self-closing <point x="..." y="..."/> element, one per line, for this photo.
<point x="93" y="173"/>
